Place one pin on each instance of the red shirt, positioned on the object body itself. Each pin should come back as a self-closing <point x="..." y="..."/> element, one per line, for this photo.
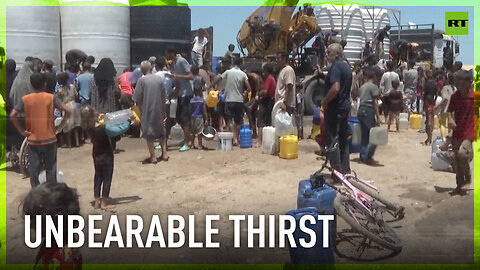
<point x="125" y="85"/>
<point x="463" y="108"/>
<point x="270" y="85"/>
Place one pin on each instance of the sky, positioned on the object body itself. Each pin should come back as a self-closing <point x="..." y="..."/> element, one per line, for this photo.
<point x="226" y="22"/>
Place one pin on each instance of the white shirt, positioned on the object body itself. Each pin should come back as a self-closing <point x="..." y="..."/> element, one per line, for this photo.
<point x="286" y="77"/>
<point x="386" y="82"/>
<point x="199" y="44"/>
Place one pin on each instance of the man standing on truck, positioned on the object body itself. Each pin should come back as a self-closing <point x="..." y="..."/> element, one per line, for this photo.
<point x="378" y="40"/>
<point x="199" y="44"/>
<point x="336" y="105"/>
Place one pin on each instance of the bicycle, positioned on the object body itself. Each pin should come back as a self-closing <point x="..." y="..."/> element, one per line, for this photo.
<point x="362" y="211"/>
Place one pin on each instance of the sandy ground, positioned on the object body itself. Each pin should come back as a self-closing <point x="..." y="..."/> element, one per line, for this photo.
<point x="437" y="228"/>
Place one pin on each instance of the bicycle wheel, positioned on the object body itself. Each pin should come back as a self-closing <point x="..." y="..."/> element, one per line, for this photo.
<point x="361" y="221"/>
<point x="23" y="159"/>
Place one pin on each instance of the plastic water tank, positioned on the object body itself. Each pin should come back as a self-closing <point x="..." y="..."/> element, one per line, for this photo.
<point x="245" y="136"/>
<point x="375" y="18"/>
<point x="157" y="26"/>
<point x="354" y="148"/>
<point x="317" y="254"/>
<point x="348" y="20"/>
<point x="99" y="28"/>
<point x="38" y="24"/>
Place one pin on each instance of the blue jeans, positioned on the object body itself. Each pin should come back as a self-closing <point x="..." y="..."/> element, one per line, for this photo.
<point x="366" y="119"/>
<point x="45" y="155"/>
<point x="336" y="124"/>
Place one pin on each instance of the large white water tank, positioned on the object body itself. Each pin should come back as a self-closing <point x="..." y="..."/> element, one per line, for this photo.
<point x="376" y="18"/>
<point x="33" y="31"/>
<point x="101" y="31"/>
<point x="348" y="20"/>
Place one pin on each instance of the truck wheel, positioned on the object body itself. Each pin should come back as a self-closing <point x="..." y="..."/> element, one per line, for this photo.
<point x="313" y="93"/>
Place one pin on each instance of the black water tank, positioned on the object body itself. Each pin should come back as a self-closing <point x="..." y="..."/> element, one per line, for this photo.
<point x="154" y="28"/>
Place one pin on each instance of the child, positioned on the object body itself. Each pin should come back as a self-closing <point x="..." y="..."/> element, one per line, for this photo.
<point x="318" y="129"/>
<point x="67" y="93"/>
<point x="54" y="199"/>
<point x="40" y="129"/>
<point x="429" y="96"/>
<point x="198" y="108"/>
<point x="396" y="105"/>
<point x="102" y="153"/>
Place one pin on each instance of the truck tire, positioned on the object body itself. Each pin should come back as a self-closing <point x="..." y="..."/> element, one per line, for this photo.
<point x="313" y="92"/>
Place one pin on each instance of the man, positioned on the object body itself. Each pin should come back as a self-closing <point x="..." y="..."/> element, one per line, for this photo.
<point x="378" y="40"/>
<point x="183" y="91"/>
<point x="198" y="48"/>
<point x="236" y="86"/>
<point x="40" y="129"/>
<point x="228" y="58"/>
<point x="50" y="76"/>
<point x="285" y="83"/>
<point x="37" y="65"/>
<point x="150" y="97"/>
<point x="461" y="120"/>
<point x="386" y="86"/>
<point x="336" y="105"/>
<point x="152" y="60"/>
<point x="366" y="52"/>
<point x="410" y="79"/>
<point x="251" y="105"/>
<point x="373" y="65"/>
<point x="166" y="76"/>
<point x="83" y="83"/>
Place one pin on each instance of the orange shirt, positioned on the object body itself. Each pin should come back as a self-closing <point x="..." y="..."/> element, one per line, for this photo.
<point x="39" y="119"/>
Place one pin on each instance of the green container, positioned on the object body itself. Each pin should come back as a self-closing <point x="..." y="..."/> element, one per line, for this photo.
<point x="137" y="3"/>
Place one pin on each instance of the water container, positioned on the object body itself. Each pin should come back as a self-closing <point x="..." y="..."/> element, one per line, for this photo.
<point x="317" y="254"/>
<point x="378" y="136"/>
<point x="357" y="134"/>
<point x="245" y="136"/>
<point x="269" y="141"/>
<point x="221" y="97"/>
<point x="436" y="143"/>
<point x="436" y="123"/>
<point x="283" y="124"/>
<point x="321" y="197"/>
<point x="212" y="99"/>
<point x="32" y="30"/>
<point x="93" y="30"/>
<point x="118" y="117"/>
<point x="225" y="141"/>
<point x="403" y="123"/>
<point x="440" y="161"/>
<point x="289" y="147"/>
<point x="415" y="121"/>
<point x="173" y="108"/>
<point x="354" y="148"/>
<point x="403" y="116"/>
<point x="176" y="133"/>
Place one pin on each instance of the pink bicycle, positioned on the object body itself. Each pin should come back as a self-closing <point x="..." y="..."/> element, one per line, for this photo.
<point x="363" y="211"/>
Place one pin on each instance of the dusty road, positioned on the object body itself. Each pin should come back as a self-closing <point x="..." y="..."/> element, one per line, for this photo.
<point x="437" y="228"/>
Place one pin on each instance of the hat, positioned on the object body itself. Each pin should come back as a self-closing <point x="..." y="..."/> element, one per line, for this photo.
<point x="152" y="59"/>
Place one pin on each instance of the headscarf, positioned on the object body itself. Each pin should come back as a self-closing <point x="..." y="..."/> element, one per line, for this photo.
<point x="21" y="85"/>
<point x="104" y="76"/>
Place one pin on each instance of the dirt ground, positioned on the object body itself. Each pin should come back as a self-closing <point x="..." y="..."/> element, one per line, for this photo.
<point x="437" y="228"/>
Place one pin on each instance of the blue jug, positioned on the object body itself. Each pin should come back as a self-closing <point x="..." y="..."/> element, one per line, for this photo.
<point x="317" y="254"/>
<point x="245" y="136"/>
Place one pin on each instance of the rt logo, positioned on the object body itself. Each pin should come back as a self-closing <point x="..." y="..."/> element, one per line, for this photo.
<point x="456" y="23"/>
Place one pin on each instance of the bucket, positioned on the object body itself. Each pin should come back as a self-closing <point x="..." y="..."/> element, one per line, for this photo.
<point x="209" y="133"/>
<point x="225" y="141"/>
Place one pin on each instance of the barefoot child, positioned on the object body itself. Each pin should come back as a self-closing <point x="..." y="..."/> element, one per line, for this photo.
<point x="396" y="102"/>
<point x="52" y="199"/>
<point x="198" y="108"/>
<point x="102" y="153"/>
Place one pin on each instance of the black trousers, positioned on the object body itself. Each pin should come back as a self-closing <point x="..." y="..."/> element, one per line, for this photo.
<point x="103" y="178"/>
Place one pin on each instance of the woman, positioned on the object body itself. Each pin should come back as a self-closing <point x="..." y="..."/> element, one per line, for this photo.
<point x="21" y="85"/>
<point x="266" y="99"/>
<point x="11" y="74"/>
<point x="104" y="90"/>
<point x="368" y="111"/>
<point x="105" y="93"/>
